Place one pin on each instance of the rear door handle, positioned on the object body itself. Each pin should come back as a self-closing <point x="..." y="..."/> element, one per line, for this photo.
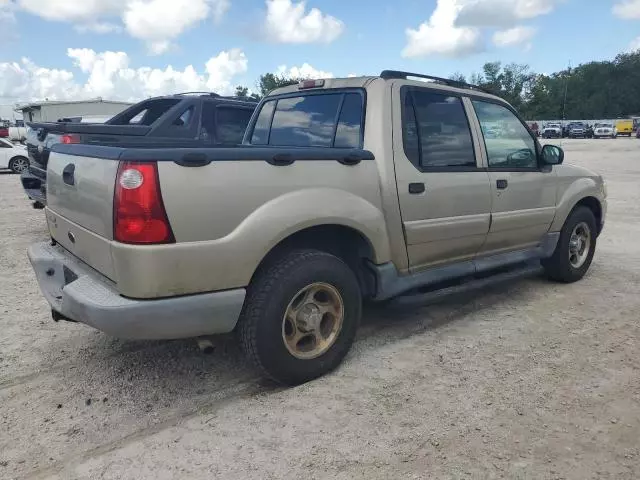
<point x="416" y="188"/>
<point x="281" y="159"/>
<point x="502" y="184"/>
<point x="68" y="174"/>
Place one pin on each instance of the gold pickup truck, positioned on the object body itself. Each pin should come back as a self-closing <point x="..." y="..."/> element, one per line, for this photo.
<point x="343" y="190"/>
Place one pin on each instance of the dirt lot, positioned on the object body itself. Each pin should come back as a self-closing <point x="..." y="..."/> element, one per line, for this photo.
<point x="526" y="381"/>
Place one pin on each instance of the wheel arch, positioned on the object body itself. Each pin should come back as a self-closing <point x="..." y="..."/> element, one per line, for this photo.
<point x="345" y="242"/>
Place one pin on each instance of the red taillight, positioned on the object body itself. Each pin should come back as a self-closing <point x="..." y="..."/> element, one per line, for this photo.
<point x="139" y="216"/>
<point x="69" y="138"/>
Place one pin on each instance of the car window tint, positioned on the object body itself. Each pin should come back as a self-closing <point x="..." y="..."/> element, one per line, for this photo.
<point x="438" y="132"/>
<point x="145" y="113"/>
<point x="231" y="124"/>
<point x="305" y="121"/>
<point x="208" y="124"/>
<point x="508" y="142"/>
<point x="184" y="119"/>
<point x="5" y="144"/>
<point x="260" y="135"/>
<point x="348" y="133"/>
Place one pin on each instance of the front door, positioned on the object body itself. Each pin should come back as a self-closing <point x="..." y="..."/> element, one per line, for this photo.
<point x="444" y="191"/>
<point x="524" y="192"/>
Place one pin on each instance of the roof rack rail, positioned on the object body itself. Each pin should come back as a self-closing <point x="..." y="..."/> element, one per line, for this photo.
<point x="212" y="94"/>
<point x="391" y="74"/>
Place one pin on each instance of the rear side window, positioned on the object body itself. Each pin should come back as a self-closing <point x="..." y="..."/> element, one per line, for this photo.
<point x="184" y="119"/>
<point x="435" y="130"/>
<point x="261" y="129"/>
<point x="231" y="124"/>
<point x="145" y="113"/>
<point x="320" y="120"/>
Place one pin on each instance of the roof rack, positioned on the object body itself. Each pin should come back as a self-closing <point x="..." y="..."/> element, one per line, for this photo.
<point x="216" y="95"/>
<point x="211" y="94"/>
<point x="391" y="74"/>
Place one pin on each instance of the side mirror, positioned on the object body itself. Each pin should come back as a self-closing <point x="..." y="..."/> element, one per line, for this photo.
<point x="552" y="155"/>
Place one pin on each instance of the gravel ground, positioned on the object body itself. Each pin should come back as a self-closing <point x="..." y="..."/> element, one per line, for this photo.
<point x="525" y="381"/>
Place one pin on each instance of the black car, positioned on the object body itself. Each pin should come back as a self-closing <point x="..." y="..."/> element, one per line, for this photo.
<point x="183" y="121"/>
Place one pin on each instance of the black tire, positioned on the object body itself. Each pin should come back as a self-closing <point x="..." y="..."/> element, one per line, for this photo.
<point x="261" y="323"/>
<point x="558" y="267"/>
<point x="13" y="164"/>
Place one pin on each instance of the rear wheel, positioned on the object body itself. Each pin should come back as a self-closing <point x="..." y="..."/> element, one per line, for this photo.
<point x="574" y="252"/>
<point x="300" y="316"/>
<point x="18" y="164"/>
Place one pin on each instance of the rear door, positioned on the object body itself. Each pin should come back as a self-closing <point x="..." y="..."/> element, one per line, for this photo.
<point x="444" y="191"/>
<point x="524" y="192"/>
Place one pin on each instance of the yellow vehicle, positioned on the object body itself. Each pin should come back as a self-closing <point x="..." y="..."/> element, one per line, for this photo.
<point x="624" y="127"/>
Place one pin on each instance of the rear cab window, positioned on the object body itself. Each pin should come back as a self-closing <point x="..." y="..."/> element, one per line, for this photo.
<point x="326" y="119"/>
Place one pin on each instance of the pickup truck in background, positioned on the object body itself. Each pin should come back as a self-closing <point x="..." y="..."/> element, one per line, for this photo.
<point x="38" y="145"/>
<point x="343" y="190"/>
<point x="552" y="130"/>
<point x="180" y="121"/>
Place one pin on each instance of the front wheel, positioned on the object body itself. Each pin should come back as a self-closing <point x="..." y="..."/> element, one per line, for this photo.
<point x="574" y="252"/>
<point x="18" y="164"/>
<point x="300" y="316"/>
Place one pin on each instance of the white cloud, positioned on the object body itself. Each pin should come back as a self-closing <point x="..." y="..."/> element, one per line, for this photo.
<point x="219" y="9"/>
<point x="439" y="35"/>
<point x="288" y="22"/>
<point x="501" y="13"/>
<point x="79" y="11"/>
<point x="110" y="75"/>
<point x="627" y="9"/>
<point x="156" y="22"/>
<point x="513" y="36"/>
<point x="634" y="45"/>
<point x="303" y="71"/>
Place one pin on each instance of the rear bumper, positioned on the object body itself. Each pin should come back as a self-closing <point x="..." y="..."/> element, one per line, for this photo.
<point x="79" y="293"/>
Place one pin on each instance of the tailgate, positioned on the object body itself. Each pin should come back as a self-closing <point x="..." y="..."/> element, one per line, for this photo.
<point x="80" y="205"/>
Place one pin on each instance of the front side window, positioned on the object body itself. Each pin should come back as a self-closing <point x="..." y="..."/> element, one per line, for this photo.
<point x="435" y="131"/>
<point x="508" y="142"/>
<point x="317" y="120"/>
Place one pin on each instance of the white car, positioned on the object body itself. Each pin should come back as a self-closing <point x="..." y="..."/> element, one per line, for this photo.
<point x="13" y="156"/>
<point x="604" y="130"/>
<point x="552" y="130"/>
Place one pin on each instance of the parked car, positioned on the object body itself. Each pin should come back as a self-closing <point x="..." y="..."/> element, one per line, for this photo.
<point x="638" y="133"/>
<point x="604" y="130"/>
<point x="624" y="127"/>
<point x="552" y="130"/>
<point x="577" y="130"/>
<point x="181" y="121"/>
<point x="13" y="156"/>
<point x="4" y="132"/>
<point x="281" y="238"/>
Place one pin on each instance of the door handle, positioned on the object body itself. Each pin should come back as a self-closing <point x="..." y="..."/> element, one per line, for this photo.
<point x="68" y="174"/>
<point x="281" y="159"/>
<point x="350" y="160"/>
<point x="502" y="184"/>
<point x="193" y="160"/>
<point x="416" y="188"/>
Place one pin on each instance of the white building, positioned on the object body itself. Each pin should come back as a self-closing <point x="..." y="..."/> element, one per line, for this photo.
<point x="53" y="111"/>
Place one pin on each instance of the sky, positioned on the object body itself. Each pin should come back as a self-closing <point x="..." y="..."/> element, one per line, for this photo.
<point x="132" y="49"/>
